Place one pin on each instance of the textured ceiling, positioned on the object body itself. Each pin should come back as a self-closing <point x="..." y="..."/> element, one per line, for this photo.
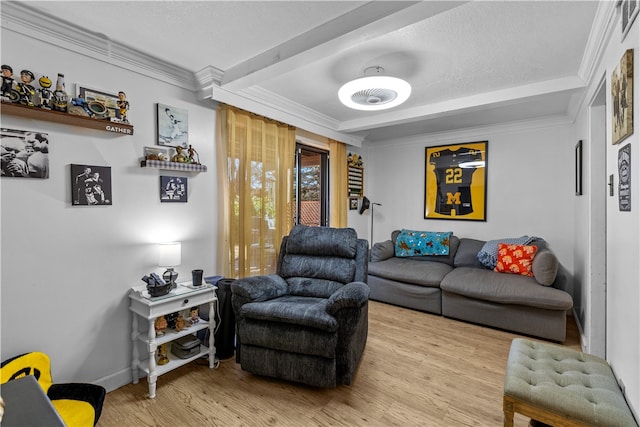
<point x="471" y="64"/>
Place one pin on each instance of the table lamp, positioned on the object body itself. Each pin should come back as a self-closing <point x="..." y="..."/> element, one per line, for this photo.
<point x="170" y="255"/>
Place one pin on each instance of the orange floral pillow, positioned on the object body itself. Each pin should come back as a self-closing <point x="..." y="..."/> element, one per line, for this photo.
<point x="515" y="259"/>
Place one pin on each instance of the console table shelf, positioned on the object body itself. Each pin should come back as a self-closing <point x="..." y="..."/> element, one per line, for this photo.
<point x="66" y="118"/>
<point x="188" y="167"/>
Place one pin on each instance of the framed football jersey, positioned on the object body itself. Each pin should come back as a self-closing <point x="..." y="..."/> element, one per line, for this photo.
<point x="456" y="181"/>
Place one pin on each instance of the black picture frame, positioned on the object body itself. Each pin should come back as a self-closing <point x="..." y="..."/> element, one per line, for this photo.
<point x="173" y="189"/>
<point x="353" y="203"/>
<point x="578" y="168"/>
<point x="90" y="185"/>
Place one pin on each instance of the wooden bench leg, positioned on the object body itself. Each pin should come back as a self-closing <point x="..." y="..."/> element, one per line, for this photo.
<point x="507" y="408"/>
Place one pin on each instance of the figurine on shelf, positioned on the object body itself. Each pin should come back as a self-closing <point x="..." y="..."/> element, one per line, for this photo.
<point x="160" y="325"/>
<point x="46" y="96"/>
<point x="180" y="324"/>
<point x="60" y="98"/>
<point x="25" y="89"/>
<point x="194" y="157"/>
<point x="162" y="354"/>
<point x="179" y="157"/>
<point x="123" y="107"/>
<point x="8" y="92"/>
<point x="195" y="316"/>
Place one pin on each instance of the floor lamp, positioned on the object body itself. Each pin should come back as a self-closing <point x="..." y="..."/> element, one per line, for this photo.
<point x="366" y="204"/>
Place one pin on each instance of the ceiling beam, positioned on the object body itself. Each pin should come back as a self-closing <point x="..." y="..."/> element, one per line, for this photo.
<point x="469" y="103"/>
<point x="364" y="23"/>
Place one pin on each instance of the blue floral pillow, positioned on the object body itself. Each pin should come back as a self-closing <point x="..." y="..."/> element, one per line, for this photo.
<point x="420" y="243"/>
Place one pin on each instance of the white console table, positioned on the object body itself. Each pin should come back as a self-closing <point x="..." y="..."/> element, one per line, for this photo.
<point x="149" y="308"/>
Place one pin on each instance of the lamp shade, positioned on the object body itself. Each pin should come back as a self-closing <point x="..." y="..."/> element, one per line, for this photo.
<point x="169" y="254"/>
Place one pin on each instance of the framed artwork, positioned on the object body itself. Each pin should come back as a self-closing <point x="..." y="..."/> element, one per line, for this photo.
<point x="624" y="178"/>
<point x="109" y="100"/>
<point x="622" y="98"/>
<point x="90" y="185"/>
<point x="456" y="181"/>
<point x="578" y="161"/>
<point x="628" y="10"/>
<point x="25" y="154"/>
<point x="173" y="126"/>
<point x="173" y="189"/>
<point x="353" y="203"/>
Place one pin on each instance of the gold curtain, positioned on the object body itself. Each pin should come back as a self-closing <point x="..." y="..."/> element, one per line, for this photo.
<point x="337" y="184"/>
<point x="255" y="176"/>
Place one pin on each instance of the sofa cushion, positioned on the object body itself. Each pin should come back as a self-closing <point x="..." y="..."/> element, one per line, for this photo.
<point x="408" y="270"/>
<point x="467" y="253"/>
<point x="545" y="267"/>
<point x="419" y="243"/>
<point x="302" y="311"/>
<point x="488" y="255"/>
<point x="515" y="259"/>
<point x="382" y="250"/>
<point x="454" y="242"/>
<point x="501" y="288"/>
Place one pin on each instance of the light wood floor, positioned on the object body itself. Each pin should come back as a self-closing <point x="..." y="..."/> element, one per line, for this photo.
<point x="417" y="370"/>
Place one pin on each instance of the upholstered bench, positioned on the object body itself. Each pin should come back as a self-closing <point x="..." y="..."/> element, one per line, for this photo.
<point x="562" y="387"/>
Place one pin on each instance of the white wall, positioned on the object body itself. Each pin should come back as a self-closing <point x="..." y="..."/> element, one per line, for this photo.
<point x="622" y="247"/>
<point x="66" y="270"/>
<point x="530" y="184"/>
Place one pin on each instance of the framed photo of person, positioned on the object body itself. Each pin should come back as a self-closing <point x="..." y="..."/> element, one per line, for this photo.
<point x="456" y="181"/>
<point x="25" y="154"/>
<point x="173" y="189"/>
<point x="90" y="185"/>
<point x="173" y="126"/>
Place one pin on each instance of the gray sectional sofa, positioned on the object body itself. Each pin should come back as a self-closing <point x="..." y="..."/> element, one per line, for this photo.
<point x="459" y="286"/>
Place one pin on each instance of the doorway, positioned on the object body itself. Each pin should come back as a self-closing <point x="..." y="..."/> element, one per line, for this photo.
<point x="597" y="205"/>
<point x="311" y="184"/>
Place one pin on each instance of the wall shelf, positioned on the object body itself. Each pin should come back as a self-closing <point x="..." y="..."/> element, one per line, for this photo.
<point x="66" y="118"/>
<point x="187" y="167"/>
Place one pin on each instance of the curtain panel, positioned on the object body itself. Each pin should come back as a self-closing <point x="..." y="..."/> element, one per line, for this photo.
<point x="255" y="175"/>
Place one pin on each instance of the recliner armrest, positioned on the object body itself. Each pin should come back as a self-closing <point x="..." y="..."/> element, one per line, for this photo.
<point x="352" y="295"/>
<point x="259" y="288"/>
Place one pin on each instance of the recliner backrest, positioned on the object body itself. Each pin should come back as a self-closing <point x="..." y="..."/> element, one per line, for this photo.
<point x="317" y="260"/>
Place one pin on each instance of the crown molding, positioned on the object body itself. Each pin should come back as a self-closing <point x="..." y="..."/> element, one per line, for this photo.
<point x="21" y="18"/>
<point x="599" y="36"/>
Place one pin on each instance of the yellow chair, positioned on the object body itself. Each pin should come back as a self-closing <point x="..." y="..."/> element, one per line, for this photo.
<point x="79" y="404"/>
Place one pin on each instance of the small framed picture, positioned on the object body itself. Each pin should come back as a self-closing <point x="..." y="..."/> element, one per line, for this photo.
<point x="353" y="203"/>
<point x="25" y="154"/>
<point x="173" y="126"/>
<point x="109" y="100"/>
<point x="90" y="185"/>
<point x="173" y="189"/>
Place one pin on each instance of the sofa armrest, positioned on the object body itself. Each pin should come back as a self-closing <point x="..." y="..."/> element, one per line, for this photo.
<point x="382" y="250"/>
<point x="352" y="295"/>
<point x="259" y="288"/>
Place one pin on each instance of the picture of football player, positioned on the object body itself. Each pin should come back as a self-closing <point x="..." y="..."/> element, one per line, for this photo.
<point x="454" y="171"/>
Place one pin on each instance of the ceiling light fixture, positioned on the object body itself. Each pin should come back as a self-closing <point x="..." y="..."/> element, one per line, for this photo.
<point x="374" y="91"/>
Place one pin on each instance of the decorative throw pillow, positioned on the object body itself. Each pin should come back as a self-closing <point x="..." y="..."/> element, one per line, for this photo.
<point x="515" y="259"/>
<point x="420" y="243"/>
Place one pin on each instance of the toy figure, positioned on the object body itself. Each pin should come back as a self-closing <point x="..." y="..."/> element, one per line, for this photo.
<point x="180" y="325"/>
<point x="160" y="325"/>
<point x="45" y="93"/>
<point x="179" y="157"/>
<point x="8" y="92"/>
<point x="162" y="354"/>
<point x="193" y="154"/>
<point x="123" y="107"/>
<point x="25" y="90"/>
<point x="195" y="318"/>
<point x="60" y="97"/>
